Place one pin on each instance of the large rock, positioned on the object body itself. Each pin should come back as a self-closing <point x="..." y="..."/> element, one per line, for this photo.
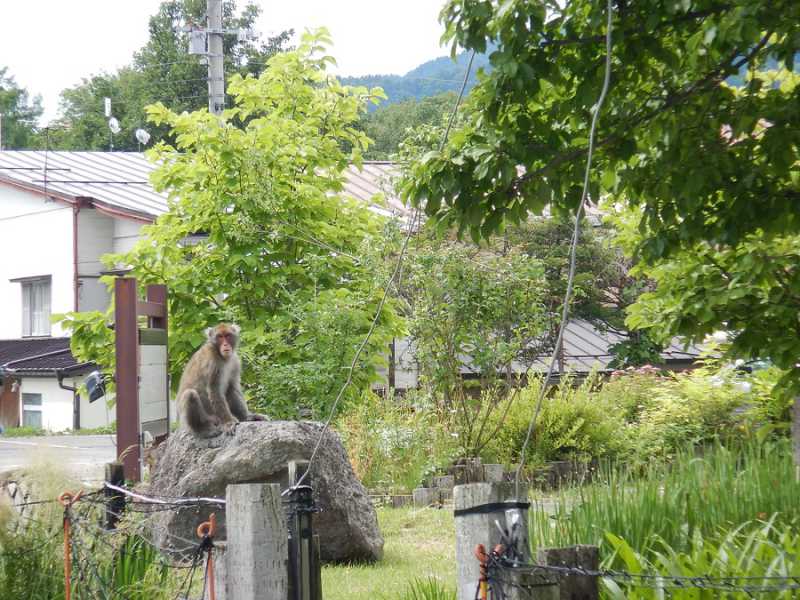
<point x="188" y="466"/>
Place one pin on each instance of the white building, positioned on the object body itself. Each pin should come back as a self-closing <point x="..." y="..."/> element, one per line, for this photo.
<point x="60" y="212"/>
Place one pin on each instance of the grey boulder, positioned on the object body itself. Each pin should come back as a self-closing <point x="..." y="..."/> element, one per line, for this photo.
<point x="258" y="452"/>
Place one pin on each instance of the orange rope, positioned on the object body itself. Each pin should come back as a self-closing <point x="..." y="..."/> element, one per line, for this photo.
<point x="483" y="579"/>
<point x="67" y="499"/>
<point x="207" y="530"/>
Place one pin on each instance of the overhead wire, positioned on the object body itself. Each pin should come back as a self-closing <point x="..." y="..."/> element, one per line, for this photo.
<point x="573" y="248"/>
<point x="384" y="297"/>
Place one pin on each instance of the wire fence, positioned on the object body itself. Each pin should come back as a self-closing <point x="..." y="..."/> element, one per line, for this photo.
<point x="104" y="563"/>
<point x="108" y="564"/>
<point x="502" y="576"/>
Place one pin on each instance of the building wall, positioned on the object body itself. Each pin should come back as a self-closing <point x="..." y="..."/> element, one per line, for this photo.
<point x="126" y="233"/>
<point x="97" y="413"/>
<point x="57" y="404"/>
<point x="35" y="239"/>
<point x="95" y="238"/>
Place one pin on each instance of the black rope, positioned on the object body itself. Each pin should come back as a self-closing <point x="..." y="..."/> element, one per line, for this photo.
<point x="490" y="507"/>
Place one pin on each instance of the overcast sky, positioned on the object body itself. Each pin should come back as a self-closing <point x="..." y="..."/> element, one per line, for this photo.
<point x="50" y="45"/>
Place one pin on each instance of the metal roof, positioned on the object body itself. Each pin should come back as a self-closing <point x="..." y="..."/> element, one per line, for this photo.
<point x="119" y="182"/>
<point x="586" y="349"/>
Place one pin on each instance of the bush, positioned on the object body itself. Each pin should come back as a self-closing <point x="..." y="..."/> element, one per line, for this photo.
<point x="693" y="406"/>
<point x="394" y="443"/>
<point x="574" y="423"/>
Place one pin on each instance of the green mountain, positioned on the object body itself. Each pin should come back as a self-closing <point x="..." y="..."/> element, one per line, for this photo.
<point x="433" y="77"/>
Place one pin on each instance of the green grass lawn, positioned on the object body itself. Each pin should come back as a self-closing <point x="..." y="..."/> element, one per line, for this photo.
<point x="420" y="543"/>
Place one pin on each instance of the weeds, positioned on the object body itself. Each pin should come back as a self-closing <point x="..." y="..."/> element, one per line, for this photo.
<point x="716" y="490"/>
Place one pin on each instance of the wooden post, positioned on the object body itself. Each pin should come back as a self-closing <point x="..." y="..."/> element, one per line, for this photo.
<point x="127" y="376"/>
<point x="115" y="502"/>
<point x="257" y="552"/>
<point x="574" y="587"/>
<point x="479" y="508"/>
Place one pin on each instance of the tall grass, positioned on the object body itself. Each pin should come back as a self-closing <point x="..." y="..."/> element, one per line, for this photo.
<point x="708" y="493"/>
<point x="748" y="556"/>
<point x="104" y="564"/>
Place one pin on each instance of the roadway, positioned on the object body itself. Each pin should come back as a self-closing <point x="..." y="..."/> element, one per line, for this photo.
<point x="81" y="457"/>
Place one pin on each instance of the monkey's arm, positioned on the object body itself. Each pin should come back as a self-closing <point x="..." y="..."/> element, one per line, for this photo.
<point x="236" y="401"/>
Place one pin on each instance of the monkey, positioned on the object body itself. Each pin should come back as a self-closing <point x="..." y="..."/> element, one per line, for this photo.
<point x="210" y="399"/>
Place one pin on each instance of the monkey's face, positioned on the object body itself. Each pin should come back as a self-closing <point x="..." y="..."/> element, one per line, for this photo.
<point x="224" y="344"/>
<point x="224" y="339"/>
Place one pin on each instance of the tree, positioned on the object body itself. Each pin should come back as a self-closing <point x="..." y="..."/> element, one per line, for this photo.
<point x="281" y="252"/>
<point x="477" y="309"/>
<point x="494" y="309"/>
<point x="162" y="71"/>
<point x="19" y="113"/>
<point x="604" y="287"/>
<point x="389" y="124"/>
<point x="710" y="168"/>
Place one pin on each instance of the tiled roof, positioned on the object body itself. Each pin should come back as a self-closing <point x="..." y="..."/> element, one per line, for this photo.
<point x="38" y="356"/>
<point x="120" y="181"/>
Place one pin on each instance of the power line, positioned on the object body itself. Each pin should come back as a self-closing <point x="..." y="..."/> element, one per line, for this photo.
<point x="382" y="302"/>
<point x="572" y="251"/>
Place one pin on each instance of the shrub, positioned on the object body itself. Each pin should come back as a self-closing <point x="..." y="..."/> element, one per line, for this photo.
<point x="574" y="423"/>
<point x="394" y="443"/>
<point x="694" y="406"/>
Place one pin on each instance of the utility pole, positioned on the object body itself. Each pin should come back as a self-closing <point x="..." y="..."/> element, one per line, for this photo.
<point x="216" y="74"/>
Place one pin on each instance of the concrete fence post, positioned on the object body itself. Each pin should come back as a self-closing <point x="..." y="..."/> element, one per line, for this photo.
<point x="574" y="587"/>
<point x="479" y="508"/>
<point x="257" y="545"/>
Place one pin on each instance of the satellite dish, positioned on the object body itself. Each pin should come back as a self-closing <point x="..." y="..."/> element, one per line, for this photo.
<point x="113" y="125"/>
<point x="142" y="136"/>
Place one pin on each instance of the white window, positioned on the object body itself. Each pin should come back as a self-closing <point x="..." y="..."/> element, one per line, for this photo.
<point x="36" y="307"/>
<point x="32" y="410"/>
